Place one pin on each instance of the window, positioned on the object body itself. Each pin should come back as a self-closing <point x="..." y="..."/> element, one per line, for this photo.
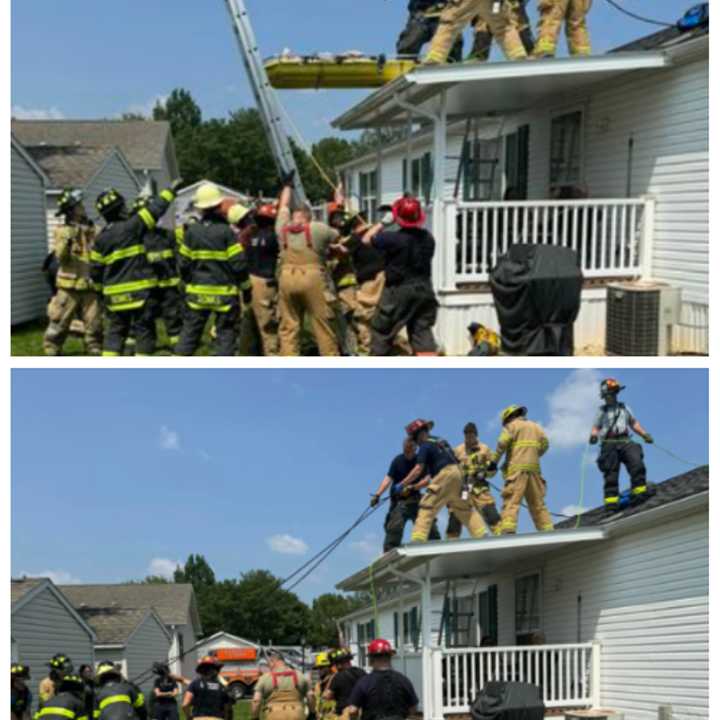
<point x="481" y="179"/>
<point x="365" y="633"/>
<point x="527" y="608"/>
<point x="181" y="645"/>
<point x="411" y="628"/>
<point x="420" y="181"/>
<point x="516" y="163"/>
<point x="566" y="149"/>
<point x="488" y="617"/>
<point x="396" y="630"/>
<point x="459" y="627"/>
<point x="368" y="194"/>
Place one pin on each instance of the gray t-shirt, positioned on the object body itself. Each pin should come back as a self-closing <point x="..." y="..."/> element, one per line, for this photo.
<point x="614" y="419"/>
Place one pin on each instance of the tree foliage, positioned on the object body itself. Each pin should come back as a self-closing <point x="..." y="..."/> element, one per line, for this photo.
<point x="180" y="110"/>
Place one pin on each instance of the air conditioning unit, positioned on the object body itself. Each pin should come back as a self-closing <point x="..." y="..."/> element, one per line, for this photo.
<point x="640" y="318"/>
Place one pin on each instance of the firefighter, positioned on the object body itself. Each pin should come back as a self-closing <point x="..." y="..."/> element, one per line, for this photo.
<point x="87" y="673"/>
<point x="261" y="248"/>
<point x="165" y="693"/>
<point x="484" y="341"/>
<point x="482" y="37"/>
<point x="523" y="442"/>
<point x="206" y="696"/>
<point x="325" y="671"/>
<point x="552" y="15"/>
<point x="458" y="13"/>
<point x="408" y="299"/>
<point x="436" y="457"/>
<point x="612" y="427"/>
<point x="115" y="697"/>
<point x="68" y="702"/>
<point x="165" y="301"/>
<point x="343" y="681"/>
<point x="20" y="695"/>
<point x="474" y="458"/>
<point x="73" y="242"/>
<point x="214" y="269"/>
<point x="422" y="23"/>
<point x="384" y="693"/>
<point x="282" y="692"/>
<point x="122" y="272"/>
<point x="303" y="276"/>
<point x="60" y="665"/>
<point x="404" y="501"/>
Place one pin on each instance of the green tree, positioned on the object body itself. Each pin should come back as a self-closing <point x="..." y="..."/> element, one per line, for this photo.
<point x="326" y="610"/>
<point x="180" y="110"/>
<point x="196" y="571"/>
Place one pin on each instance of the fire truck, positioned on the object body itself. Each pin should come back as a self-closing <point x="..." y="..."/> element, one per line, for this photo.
<point x="240" y="671"/>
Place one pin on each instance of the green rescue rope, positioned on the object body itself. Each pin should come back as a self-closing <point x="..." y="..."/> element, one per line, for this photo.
<point x="583" y="467"/>
<point x="374" y="597"/>
<point x="677" y="457"/>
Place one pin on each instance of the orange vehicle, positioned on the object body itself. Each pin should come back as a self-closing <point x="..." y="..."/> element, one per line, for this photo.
<point x="240" y="670"/>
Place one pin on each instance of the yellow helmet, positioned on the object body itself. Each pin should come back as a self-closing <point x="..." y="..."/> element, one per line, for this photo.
<point x="207" y="196"/>
<point x="511" y="412"/>
<point x="236" y="213"/>
<point x="322" y="660"/>
<point x="107" y="670"/>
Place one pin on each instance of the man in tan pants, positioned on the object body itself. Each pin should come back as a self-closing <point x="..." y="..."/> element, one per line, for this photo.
<point x="282" y="693"/>
<point x="458" y="13"/>
<point x="303" y="277"/>
<point x="517" y="16"/>
<point x="436" y="458"/>
<point x="523" y="443"/>
<point x="552" y="15"/>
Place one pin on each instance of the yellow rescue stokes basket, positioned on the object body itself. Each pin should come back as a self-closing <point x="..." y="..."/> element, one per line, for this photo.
<point x="297" y="73"/>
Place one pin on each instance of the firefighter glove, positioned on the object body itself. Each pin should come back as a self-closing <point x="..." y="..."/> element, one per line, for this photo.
<point x="374" y="500"/>
<point x="288" y="178"/>
<point x="491" y="467"/>
<point x="176" y="185"/>
<point x="247" y="296"/>
<point x="648" y="438"/>
<point x="593" y="439"/>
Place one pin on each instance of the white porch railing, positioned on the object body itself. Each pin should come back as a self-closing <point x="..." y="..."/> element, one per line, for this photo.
<point x="612" y="238"/>
<point x="564" y="673"/>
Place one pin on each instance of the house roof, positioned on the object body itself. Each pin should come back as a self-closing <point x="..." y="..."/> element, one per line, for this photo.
<point x="172" y="601"/>
<point x="20" y="588"/>
<point x="666" y="37"/>
<point x="70" y="165"/>
<point x="143" y="142"/>
<point x="113" y="625"/>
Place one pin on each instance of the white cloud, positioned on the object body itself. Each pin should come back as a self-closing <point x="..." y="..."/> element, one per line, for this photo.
<point x="571" y="510"/>
<point x="146" y="108"/>
<point x="162" y="567"/>
<point x="22" y="113"/>
<point x="572" y="407"/>
<point x="169" y="439"/>
<point x="59" y="577"/>
<point x="287" y="545"/>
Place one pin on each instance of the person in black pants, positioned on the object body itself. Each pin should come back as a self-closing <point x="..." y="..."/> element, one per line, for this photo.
<point x="422" y="23"/>
<point x="165" y="693"/>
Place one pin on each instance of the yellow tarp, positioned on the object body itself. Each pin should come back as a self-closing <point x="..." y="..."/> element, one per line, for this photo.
<point x="339" y="73"/>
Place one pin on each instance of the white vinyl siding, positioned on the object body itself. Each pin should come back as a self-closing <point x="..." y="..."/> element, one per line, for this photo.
<point x="148" y="644"/>
<point x="29" y="290"/>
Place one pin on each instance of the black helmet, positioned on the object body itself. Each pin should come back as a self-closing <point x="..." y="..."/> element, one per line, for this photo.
<point x="106" y="671"/>
<point x="72" y="683"/>
<point x="138" y="204"/>
<point x="61" y="662"/>
<point x="108" y="202"/>
<point x="20" y="671"/>
<point x="69" y="198"/>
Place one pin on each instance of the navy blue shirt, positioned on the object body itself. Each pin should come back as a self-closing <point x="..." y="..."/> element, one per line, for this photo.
<point x="400" y="468"/>
<point x="384" y="694"/>
<point x="408" y="254"/>
<point x="435" y="454"/>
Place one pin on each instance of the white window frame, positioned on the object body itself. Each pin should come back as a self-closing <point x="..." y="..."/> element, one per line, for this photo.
<point x="556" y="114"/>
<point x="521" y="576"/>
<point x="369" y="202"/>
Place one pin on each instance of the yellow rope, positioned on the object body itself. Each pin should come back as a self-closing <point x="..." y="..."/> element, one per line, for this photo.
<point x="374" y="598"/>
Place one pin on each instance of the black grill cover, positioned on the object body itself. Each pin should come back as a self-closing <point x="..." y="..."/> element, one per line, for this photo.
<point x="508" y="701"/>
<point x="537" y="289"/>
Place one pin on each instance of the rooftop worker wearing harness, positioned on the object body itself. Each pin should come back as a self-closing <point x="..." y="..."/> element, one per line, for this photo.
<point x="303" y="276"/>
<point x="458" y="13"/>
<point x="206" y="697"/>
<point x="421" y="26"/>
<point x="115" y="697"/>
<point x="282" y="692"/>
<point x="69" y="702"/>
<point x="213" y="266"/>
<point x="343" y="681"/>
<point x="60" y="665"/>
<point x="552" y="15"/>
<point x="324" y="669"/>
<point x="474" y="457"/>
<point x="404" y="501"/>
<point x="523" y="442"/>
<point x="20" y="695"/>
<point x="437" y="459"/>
<point x="517" y="16"/>
<point x="73" y="242"/>
<point x="384" y="694"/>
<point x="408" y="299"/>
<point x="612" y="427"/>
<point x="121" y="269"/>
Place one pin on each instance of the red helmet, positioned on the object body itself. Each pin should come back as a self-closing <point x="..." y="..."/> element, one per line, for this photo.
<point x="209" y="660"/>
<point x="408" y="213"/>
<point x="417" y="425"/>
<point x="380" y="647"/>
<point x="268" y="210"/>
<point x="334" y="207"/>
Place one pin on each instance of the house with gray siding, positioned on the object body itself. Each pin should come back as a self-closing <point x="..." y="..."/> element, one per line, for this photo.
<point x="607" y="611"/>
<point x="28" y="232"/>
<point x="42" y="623"/>
<point x="174" y="604"/>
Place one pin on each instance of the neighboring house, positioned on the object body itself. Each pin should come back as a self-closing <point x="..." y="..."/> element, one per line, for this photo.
<point x="174" y="604"/>
<point x="42" y="623"/>
<point x="91" y="169"/>
<point x="220" y="640"/>
<point x="184" y="198"/>
<point x="630" y="129"/>
<point x="133" y="638"/>
<point x="28" y="236"/>
<point x="147" y="144"/>
<point x="612" y="614"/>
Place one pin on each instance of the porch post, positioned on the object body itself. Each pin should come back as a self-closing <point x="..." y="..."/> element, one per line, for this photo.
<point x="648" y="237"/>
<point x="440" y="271"/>
<point x="427" y="664"/>
<point x="595" y="674"/>
<point x="378" y="175"/>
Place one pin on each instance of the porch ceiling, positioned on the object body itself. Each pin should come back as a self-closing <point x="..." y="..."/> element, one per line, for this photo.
<point x="492" y="88"/>
<point x="464" y="558"/>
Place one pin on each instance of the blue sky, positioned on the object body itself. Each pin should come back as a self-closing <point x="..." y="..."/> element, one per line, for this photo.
<point x="116" y="474"/>
<point x="89" y="59"/>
